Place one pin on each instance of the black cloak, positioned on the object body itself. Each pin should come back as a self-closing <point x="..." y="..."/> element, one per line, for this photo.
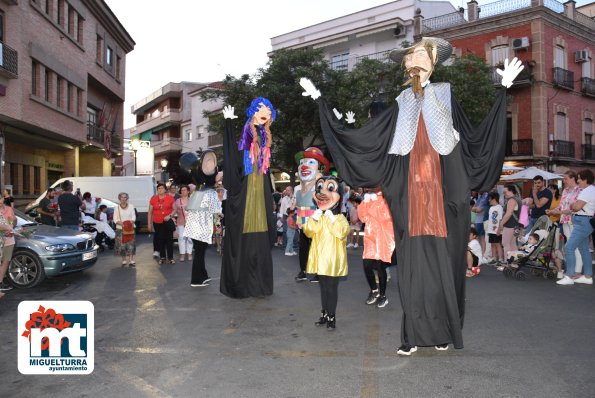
<point x="431" y="270"/>
<point x="247" y="263"/>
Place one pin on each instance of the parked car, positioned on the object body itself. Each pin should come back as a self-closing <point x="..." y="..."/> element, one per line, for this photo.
<point x="43" y="250"/>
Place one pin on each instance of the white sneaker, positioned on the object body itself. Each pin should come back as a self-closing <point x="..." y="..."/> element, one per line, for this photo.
<point x="566" y="280"/>
<point x="355" y="246"/>
<point x="349" y="245"/>
<point x="584" y="280"/>
<point x="288" y="254"/>
<point x="560" y="274"/>
<point x="156" y="254"/>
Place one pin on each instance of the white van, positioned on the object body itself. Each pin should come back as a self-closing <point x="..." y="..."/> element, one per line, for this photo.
<point x="140" y="189"/>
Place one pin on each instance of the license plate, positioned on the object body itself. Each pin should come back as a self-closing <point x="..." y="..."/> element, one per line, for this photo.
<point x="90" y="255"/>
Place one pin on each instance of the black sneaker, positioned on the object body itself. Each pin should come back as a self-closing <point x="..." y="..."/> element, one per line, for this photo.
<point x="315" y="279"/>
<point x="372" y="298"/>
<point x="330" y="322"/>
<point x="381" y="302"/>
<point x="301" y="277"/>
<point x="406" y="350"/>
<point x="4" y="287"/>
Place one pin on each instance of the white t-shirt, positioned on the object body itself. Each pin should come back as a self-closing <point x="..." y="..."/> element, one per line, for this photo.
<point x="587" y="195"/>
<point x="284" y="204"/>
<point x="495" y="215"/>
<point x="475" y="249"/>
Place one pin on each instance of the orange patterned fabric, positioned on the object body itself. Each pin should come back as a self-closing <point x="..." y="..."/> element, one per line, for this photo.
<point x="379" y="237"/>
<point x="426" y="199"/>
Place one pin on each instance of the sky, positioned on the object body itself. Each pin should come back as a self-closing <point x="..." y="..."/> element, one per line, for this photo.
<point x="203" y="40"/>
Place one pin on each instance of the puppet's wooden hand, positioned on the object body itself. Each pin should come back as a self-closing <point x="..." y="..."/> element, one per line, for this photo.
<point x="329" y="214"/>
<point x="316" y="215"/>
<point x="338" y="114"/>
<point x="350" y="117"/>
<point x="510" y="72"/>
<point x="309" y="88"/>
<point x="228" y="112"/>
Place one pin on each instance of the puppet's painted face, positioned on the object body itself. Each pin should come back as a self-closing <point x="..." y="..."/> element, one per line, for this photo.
<point x="209" y="163"/>
<point x="327" y="195"/>
<point x="263" y="115"/>
<point x="308" y="169"/>
<point x="419" y="63"/>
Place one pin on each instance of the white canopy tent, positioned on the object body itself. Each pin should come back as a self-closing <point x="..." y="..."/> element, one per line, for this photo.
<point x="530" y="173"/>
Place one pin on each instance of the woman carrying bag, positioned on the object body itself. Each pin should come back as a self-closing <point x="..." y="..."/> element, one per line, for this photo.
<point x="160" y="221"/>
<point x="124" y="217"/>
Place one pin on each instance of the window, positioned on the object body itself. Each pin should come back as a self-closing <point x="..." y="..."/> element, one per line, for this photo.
<point x="118" y="65"/>
<point x="99" y="51"/>
<point x="588" y="129"/>
<point x="59" y="92"/>
<point x="69" y="97"/>
<point x="34" y="78"/>
<point x="61" y="13"/>
<point x="91" y="116"/>
<point x="79" y="29"/>
<point x="36" y="180"/>
<point x="561" y="126"/>
<point x="586" y="67"/>
<point x="14" y="179"/>
<point x="109" y="54"/>
<point x="340" y="61"/>
<point x="48" y="84"/>
<point x="79" y="102"/>
<point x="188" y="135"/>
<point x="1" y="26"/>
<point x="199" y="132"/>
<point x="26" y="179"/>
<point x="559" y="57"/>
<point x="499" y="54"/>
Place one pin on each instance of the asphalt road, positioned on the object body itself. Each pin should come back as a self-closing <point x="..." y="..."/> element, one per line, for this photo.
<point x="155" y="336"/>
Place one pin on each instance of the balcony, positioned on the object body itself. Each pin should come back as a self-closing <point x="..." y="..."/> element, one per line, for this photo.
<point x="563" y="78"/>
<point x="381" y="56"/>
<point x="562" y="149"/>
<point x="96" y="134"/>
<point x="524" y="78"/>
<point x="588" y="86"/>
<point x="166" y="145"/>
<point x="159" y="121"/>
<point x="588" y="152"/>
<point x="519" y="148"/>
<point x="9" y="62"/>
<point x="215" y="140"/>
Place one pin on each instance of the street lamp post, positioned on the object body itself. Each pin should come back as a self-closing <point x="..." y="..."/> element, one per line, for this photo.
<point x="164" y="163"/>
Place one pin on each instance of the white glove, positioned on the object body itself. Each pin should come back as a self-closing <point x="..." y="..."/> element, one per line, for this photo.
<point x="338" y="114"/>
<point x="366" y="197"/>
<point x="350" y="117"/>
<point x="373" y="196"/>
<point x="309" y="88"/>
<point x="510" y="72"/>
<point x="228" y="112"/>
<point x="330" y="215"/>
<point x="317" y="214"/>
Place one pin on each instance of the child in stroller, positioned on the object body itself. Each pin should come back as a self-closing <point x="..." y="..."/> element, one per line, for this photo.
<point x="99" y="226"/>
<point x="539" y="259"/>
<point x="525" y="250"/>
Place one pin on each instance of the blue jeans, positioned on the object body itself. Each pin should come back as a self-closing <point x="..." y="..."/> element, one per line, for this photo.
<point x="579" y="238"/>
<point x="290" y="235"/>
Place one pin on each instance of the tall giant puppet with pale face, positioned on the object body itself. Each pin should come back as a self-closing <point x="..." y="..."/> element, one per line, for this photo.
<point x="311" y="164"/>
<point x="426" y="156"/>
<point x="247" y="265"/>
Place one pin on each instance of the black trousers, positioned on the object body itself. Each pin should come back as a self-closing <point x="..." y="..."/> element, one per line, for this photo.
<point x="379" y="266"/>
<point x="304" y="250"/>
<point x="329" y="293"/>
<point x="164" y="240"/>
<point x="199" y="270"/>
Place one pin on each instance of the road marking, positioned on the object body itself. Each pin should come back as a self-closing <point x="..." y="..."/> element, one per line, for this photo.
<point x="311" y="354"/>
<point x="137" y="382"/>
<point x="370" y="378"/>
<point x="141" y="350"/>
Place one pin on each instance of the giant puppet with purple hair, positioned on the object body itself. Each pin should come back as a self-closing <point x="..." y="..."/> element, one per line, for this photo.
<point x="247" y="264"/>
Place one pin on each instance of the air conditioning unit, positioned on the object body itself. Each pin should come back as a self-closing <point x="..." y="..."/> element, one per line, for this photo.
<point x="580" y="56"/>
<point x="400" y="31"/>
<point x="520" y="43"/>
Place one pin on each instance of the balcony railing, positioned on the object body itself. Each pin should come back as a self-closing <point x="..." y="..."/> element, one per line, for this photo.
<point x="563" y="78"/>
<point x="215" y="140"/>
<point x="525" y="78"/>
<point x="159" y="120"/>
<point x="519" y="147"/>
<point x="96" y="134"/>
<point x="379" y="56"/>
<point x="588" y="152"/>
<point x="9" y="61"/>
<point x="588" y="86"/>
<point x="502" y="7"/>
<point x="443" y="22"/>
<point x="563" y="149"/>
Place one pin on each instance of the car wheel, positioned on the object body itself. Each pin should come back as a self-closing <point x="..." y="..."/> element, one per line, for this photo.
<point x="25" y="270"/>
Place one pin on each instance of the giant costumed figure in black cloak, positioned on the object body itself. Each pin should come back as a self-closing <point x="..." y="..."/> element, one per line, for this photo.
<point x="427" y="157"/>
<point x="247" y="264"/>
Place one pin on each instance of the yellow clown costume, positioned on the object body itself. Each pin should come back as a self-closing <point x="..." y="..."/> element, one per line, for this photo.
<point x="328" y="253"/>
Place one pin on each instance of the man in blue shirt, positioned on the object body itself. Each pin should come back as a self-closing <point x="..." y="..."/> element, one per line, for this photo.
<point x="542" y="199"/>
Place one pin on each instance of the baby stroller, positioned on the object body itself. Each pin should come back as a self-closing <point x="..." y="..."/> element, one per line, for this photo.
<point x="538" y="261"/>
<point x="103" y="233"/>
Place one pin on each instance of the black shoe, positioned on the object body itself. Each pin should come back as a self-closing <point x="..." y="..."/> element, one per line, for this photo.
<point x="301" y="277"/>
<point x="330" y="323"/>
<point x="4" y="287"/>
<point x="323" y="319"/>
<point x="315" y="279"/>
<point x="372" y="298"/>
<point x="406" y="350"/>
<point x="382" y="302"/>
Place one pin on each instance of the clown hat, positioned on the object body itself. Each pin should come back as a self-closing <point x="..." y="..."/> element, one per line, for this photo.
<point x="314" y="153"/>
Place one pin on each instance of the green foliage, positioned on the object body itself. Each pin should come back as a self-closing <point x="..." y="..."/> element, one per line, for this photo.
<point x="471" y="81"/>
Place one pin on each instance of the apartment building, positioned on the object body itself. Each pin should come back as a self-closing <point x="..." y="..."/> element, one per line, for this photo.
<point x="370" y="33"/>
<point x="62" y="75"/>
<point x="551" y="116"/>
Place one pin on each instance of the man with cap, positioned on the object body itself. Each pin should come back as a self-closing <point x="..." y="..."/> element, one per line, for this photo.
<point x="426" y="156"/>
<point x="312" y="163"/>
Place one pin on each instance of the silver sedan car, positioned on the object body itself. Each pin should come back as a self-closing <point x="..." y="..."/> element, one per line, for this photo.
<point x="44" y="250"/>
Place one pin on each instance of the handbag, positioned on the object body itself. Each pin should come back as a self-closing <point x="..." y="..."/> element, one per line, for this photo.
<point x="170" y="225"/>
<point x="127" y="229"/>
